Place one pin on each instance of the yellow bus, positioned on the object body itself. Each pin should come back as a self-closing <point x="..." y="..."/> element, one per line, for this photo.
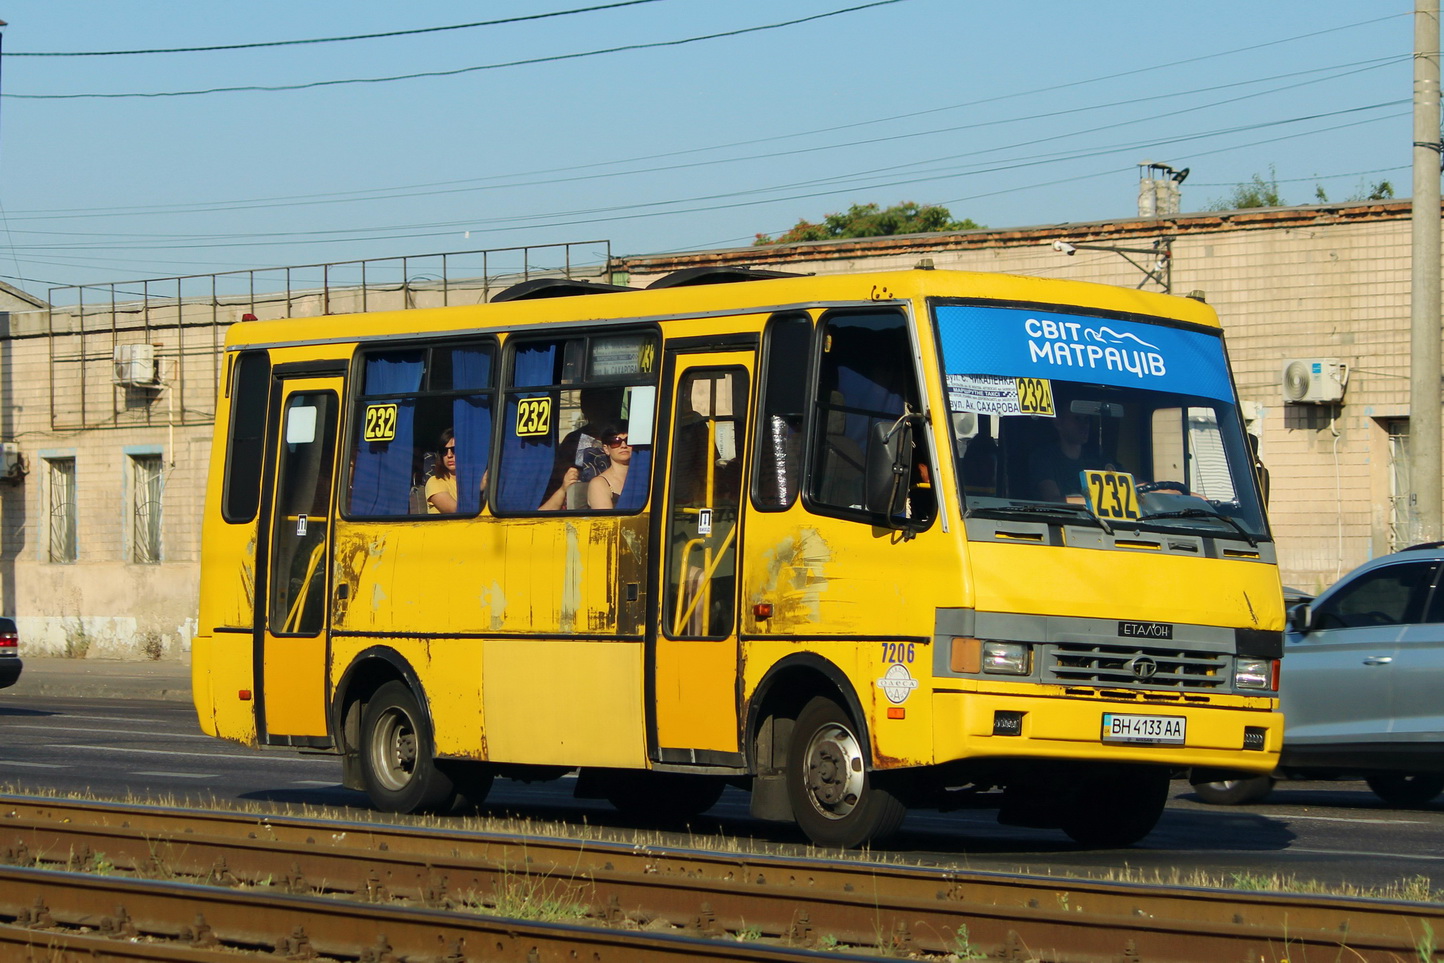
<point x="855" y="544"/>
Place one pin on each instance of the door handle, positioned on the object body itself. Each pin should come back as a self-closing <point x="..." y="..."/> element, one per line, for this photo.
<point x="1379" y="660"/>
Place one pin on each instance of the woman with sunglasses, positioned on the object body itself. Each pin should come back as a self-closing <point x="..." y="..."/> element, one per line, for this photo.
<point x="441" y="486"/>
<point x="604" y="490"/>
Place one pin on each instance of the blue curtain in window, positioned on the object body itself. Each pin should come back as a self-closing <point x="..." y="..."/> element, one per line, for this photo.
<point x="381" y="478"/>
<point x="639" y="479"/>
<point x="526" y="462"/>
<point x="471" y="420"/>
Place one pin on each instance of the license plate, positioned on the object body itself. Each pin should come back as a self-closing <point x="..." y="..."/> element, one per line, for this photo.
<point x="1126" y="727"/>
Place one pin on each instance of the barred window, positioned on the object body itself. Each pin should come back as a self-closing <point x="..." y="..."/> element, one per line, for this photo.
<point x="60" y="503"/>
<point x="147" y="476"/>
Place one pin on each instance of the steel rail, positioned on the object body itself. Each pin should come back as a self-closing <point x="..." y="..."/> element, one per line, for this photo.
<point x="806" y="900"/>
<point x="301" y="927"/>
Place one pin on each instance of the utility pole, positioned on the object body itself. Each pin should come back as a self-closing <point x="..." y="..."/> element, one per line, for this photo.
<point x="1426" y="492"/>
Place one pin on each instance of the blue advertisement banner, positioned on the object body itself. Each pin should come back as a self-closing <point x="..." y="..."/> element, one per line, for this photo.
<point x="1013" y="343"/>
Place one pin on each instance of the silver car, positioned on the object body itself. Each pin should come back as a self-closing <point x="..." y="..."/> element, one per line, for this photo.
<point x="1360" y="687"/>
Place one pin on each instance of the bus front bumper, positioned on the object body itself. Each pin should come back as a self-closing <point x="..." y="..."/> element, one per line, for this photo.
<point x="1232" y="732"/>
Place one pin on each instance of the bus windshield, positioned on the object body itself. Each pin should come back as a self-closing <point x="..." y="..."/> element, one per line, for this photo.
<point x="1112" y="421"/>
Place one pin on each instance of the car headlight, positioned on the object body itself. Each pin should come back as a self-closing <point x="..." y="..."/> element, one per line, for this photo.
<point x="1256" y="674"/>
<point x="1008" y="658"/>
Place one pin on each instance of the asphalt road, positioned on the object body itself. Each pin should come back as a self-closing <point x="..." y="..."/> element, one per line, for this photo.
<point x="130" y="746"/>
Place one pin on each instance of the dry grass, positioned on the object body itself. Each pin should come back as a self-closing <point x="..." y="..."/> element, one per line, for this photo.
<point x="1411" y="889"/>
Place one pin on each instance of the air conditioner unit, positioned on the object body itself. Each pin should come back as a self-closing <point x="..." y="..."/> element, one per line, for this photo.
<point x="12" y="462"/>
<point x="135" y="366"/>
<point x="1314" y="381"/>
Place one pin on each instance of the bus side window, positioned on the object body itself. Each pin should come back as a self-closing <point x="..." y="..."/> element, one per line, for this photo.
<point x="562" y="396"/>
<point x="782" y="412"/>
<point x="866" y="377"/>
<point x="246" y="445"/>
<point x="407" y="399"/>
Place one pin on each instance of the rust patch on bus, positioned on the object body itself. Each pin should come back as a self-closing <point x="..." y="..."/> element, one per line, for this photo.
<point x="794" y="578"/>
<point x="571" y="599"/>
<point x="353" y="553"/>
<point x="248" y="578"/>
<point x="629" y="567"/>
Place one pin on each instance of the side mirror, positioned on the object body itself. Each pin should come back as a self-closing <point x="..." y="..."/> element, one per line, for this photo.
<point x="1299" y="618"/>
<point x="888" y="466"/>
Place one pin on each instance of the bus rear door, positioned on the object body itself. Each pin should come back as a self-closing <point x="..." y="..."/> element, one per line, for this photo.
<point x="292" y="585"/>
<point x="695" y="665"/>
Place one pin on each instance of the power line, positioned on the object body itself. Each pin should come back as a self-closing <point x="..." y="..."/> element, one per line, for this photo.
<point x="254" y="88"/>
<point x="741" y="198"/>
<point x="316" y="40"/>
<point x="494" y="182"/>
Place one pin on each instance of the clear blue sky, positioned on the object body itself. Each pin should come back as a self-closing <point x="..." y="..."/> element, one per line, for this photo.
<point x="1013" y="114"/>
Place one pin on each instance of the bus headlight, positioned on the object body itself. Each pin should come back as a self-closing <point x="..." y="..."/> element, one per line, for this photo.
<point x="1255" y="674"/>
<point x="1008" y="658"/>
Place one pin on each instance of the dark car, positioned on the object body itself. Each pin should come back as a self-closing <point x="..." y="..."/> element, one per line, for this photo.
<point x="1362" y="671"/>
<point x="10" y="663"/>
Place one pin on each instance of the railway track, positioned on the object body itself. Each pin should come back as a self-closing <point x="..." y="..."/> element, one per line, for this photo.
<point x="208" y="882"/>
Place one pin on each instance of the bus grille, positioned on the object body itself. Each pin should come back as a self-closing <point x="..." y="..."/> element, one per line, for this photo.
<point x="1128" y="666"/>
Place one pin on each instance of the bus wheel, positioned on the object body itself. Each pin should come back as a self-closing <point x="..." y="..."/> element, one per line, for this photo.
<point x="398" y="764"/>
<point x="1234" y="792"/>
<point x="835" y="800"/>
<point x="1406" y="789"/>
<point x="472" y="780"/>
<point x="1115" y="806"/>
<point x="662" y="796"/>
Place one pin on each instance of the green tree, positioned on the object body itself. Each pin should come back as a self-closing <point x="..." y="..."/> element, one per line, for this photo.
<point x="868" y="220"/>
<point x="1257" y="192"/>
<point x="1381" y="191"/>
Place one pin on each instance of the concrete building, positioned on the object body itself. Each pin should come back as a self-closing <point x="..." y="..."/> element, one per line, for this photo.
<point x="108" y="401"/>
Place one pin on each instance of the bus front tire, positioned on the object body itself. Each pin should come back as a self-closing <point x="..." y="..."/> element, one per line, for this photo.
<point x="1116" y="806"/>
<point x="835" y="799"/>
<point x="398" y="760"/>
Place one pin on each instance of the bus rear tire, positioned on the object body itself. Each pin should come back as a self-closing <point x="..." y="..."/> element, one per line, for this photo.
<point x="835" y="800"/>
<point x="398" y="756"/>
<point x="1233" y="792"/>
<point x="1115" y="806"/>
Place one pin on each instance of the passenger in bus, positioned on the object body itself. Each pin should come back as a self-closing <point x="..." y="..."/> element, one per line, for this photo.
<point x="1054" y="468"/>
<point x="441" y="486"/>
<point x="578" y="448"/>
<point x="557" y="500"/>
<point x="604" y="490"/>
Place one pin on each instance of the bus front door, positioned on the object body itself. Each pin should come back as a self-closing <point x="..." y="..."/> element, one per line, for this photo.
<point x="696" y="651"/>
<point x="292" y="589"/>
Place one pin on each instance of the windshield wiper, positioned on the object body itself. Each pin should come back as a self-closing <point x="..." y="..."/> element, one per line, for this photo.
<point x="1203" y="513"/>
<point x="1055" y="509"/>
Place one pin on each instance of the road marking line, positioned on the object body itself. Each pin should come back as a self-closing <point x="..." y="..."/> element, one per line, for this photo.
<point x="118" y="732"/>
<point x="314" y="782"/>
<point x="37" y="765"/>
<point x="176" y="775"/>
<point x="1359" y="819"/>
<point x="1357" y="852"/>
<point x="254" y="757"/>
